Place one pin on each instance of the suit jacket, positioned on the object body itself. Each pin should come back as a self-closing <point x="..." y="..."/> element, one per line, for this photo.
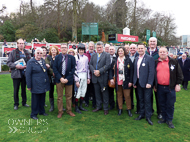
<point x="103" y="67"/>
<point x="146" y="71"/>
<point x="185" y="68"/>
<point x="70" y="68"/>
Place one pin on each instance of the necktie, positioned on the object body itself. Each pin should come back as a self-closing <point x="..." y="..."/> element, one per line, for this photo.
<point x="97" y="61"/>
<point x="63" y="65"/>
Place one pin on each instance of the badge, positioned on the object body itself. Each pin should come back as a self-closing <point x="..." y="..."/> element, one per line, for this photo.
<point x="143" y="64"/>
<point x="128" y="66"/>
<point x="172" y="67"/>
<point x="44" y="70"/>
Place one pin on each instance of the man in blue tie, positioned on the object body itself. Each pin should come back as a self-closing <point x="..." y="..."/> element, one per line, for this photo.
<point x="99" y="66"/>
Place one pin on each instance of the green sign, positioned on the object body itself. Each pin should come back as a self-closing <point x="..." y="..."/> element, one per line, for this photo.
<point x="154" y="34"/>
<point x="147" y="34"/>
<point x="89" y="28"/>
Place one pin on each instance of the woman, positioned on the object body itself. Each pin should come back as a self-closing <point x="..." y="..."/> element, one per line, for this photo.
<point x="50" y="60"/>
<point x="123" y="79"/>
<point x="37" y="82"/>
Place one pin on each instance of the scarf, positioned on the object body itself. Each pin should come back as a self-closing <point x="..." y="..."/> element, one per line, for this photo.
<point x="121" y="67"/>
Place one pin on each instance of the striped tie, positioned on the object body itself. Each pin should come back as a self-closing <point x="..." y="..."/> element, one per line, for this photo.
<point x="63" y="65"/>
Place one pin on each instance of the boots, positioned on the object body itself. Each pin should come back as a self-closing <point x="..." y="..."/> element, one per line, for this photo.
<point x="120" y="111"/>
<point x="51" y="100"/>
<point x="129" y="113"/>
<point x="77" y="108"/>
<point x="80" y="107"/>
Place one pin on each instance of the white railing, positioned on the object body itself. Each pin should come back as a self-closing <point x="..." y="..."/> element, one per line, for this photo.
<point x="3" y="60"/>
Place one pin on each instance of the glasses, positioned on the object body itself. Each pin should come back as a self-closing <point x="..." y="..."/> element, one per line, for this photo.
<point x="39" y="53"/>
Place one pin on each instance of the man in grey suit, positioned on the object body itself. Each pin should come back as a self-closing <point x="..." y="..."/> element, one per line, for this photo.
<point x="143" y="79"/>
<point x="99" y="66"/>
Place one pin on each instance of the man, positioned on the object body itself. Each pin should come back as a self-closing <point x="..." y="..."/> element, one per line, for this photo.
<point x="143" y="81"/>
<point x="184" y="63"/>
<point x="106" y="49"/>
<point x="64" y="68"/>
<point x="127" y="49"/>
<point x="111" y="90"/>
<point x="99" y="66"/>
<point x="167" y="85"/>
<point x="171" y="55"/>
<point x="18" y="72"/>
<point x="153" y="51"/>
<point x="90" y="87"/>
<point x="132" y="55"/>
<point x="82" y="70"/>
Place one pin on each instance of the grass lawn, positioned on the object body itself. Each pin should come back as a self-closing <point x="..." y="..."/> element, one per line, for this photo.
<point x="16" y="125"/>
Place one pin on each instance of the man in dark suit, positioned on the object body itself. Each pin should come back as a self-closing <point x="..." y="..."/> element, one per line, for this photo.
<point x="143" y="81"/>
<point x="111" y="90"/>
<point x="64" y="68"/>
<point x="184" y="63"/>
<point x="132" y="55"/>
<point x="99" y="66"/>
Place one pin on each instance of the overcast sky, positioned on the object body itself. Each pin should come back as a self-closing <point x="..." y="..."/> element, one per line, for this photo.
<point x="178" y="8"/>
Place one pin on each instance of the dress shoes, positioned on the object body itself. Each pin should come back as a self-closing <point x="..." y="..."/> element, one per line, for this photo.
<point x="159" y="116"/>
<point x="161" y="121"/>
<point x="95" y="110"/>
<point x="26" y="105"/>
<point x="34" y="117"/>
<point x="149" y="121"/>
<point x="64" y="109"/>
<point x="106" y="112"/>
<point x="71" y="114"/>
<point x="15" y="107"/>
<point x="59" y="115"/>
<point x="120" y="111"/>
<point x="139" y="117"/>
<point x="129" y="113"/>
<point x="136" y="112"/>
<point x="170" y="124"/>
<point x="77" y="109"/>
<point x="44" y="114"/>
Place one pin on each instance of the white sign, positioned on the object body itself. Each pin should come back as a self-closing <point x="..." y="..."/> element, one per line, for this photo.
<point x="126" y="31"/>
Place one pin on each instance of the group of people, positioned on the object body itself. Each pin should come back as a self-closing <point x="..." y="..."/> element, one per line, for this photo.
<point x="98" y="73"/>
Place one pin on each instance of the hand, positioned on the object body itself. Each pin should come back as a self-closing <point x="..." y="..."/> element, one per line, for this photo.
<point x="177" y="88"/>
<point x="112" y="82"/>
<point x="148" y="86"/>
<point x="97" y="73"/>
<point x="20" y="67"/>
<point x="62" y="80"/>
<point x="155" y="90"/>
<point x="48" y="66"/>
<point x="28" y="88"/>
<point x="66" y="80"/>
<point x="88" y="81"/>
<point x="130" y="84"/>
<point x="53" y="75"/>
<point x="77" y="84"/>
<point x="134" y="86"/>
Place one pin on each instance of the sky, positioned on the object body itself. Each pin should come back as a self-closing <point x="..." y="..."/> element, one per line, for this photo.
<point x="178" y="8"/>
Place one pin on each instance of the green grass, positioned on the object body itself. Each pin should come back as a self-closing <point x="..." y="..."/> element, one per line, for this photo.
<point x="88" y="126"/>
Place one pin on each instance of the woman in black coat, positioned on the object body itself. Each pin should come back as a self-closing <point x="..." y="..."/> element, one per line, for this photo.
<point x="184" y="63"/>
<point x="37" y="82"/>
<point x="123" y="79"/>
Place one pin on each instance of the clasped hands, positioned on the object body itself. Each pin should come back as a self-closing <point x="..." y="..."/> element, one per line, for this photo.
<point x="97" y="73"/>
<point x="63" y="80"/>
<point x="147" y="86"/>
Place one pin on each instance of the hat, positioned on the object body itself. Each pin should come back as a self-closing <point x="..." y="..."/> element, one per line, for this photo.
<point x="81" y="46"/>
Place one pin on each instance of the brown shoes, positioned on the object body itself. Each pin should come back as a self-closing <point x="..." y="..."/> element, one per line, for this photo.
<point x="71" y="114"/>
<point x="59" y="115"/>
<point x="106" y="112"/>
<point x="95" y="110"/>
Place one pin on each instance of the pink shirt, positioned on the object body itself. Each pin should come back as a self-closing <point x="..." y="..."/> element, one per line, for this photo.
<point x="139" y="63"/>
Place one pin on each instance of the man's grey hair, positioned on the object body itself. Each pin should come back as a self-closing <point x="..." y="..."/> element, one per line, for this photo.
<point x="133" y="45"/>
<point x="107" y="45"/>
<point x="38" y="49"/>
<point x="100" y="43"/>
<point x="153" y="38"/>
<point x="91" y="42"/>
